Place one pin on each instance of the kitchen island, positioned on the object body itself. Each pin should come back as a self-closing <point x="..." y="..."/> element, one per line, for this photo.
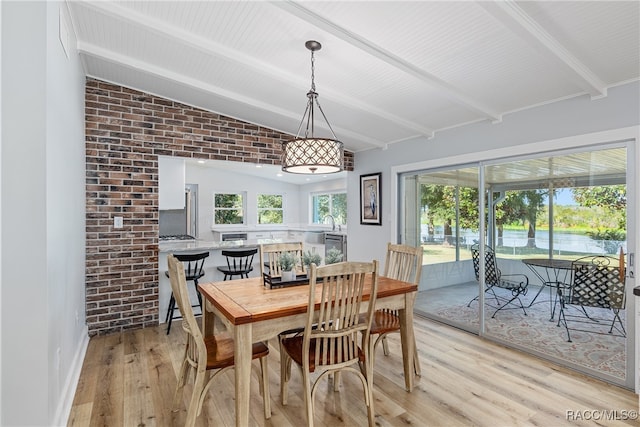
<point x="214" y="260"/>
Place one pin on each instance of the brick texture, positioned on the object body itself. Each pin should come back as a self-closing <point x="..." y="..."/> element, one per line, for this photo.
<point x="126" y="130"/>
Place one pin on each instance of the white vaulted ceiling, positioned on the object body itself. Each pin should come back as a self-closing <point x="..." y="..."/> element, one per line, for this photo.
<point x="387" y="71"/>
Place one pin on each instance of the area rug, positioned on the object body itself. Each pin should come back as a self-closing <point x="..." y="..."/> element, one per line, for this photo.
<point x="603" y="353"/>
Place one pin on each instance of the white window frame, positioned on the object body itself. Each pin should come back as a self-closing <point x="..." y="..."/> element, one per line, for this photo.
<point x="243" y="194"/>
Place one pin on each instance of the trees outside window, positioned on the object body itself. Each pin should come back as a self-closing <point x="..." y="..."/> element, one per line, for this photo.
<point x="324" y="204"/>
<point x="270" y="209"/>
<point x="228" y="208"/>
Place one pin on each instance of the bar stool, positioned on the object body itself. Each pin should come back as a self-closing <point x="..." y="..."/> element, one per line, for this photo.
<point x="239" y="262"/>
<point x="193" y="270"/>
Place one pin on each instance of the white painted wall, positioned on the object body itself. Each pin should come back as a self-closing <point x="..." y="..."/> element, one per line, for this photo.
<point x="43" y="198"/>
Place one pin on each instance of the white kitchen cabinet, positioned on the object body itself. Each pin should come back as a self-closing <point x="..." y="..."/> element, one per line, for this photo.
<point x="259" y="235"/>
<point x="171" y="182"/>
<point x="297" y="235"/>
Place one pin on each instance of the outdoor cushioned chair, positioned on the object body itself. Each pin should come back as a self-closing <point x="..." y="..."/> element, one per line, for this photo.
<point x="515" y="284"/>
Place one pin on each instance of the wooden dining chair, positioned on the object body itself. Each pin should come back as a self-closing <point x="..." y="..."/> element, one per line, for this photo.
<point x="270" y="252"/>
<point x="330" y="341"/>
<point x="402" y="263"/>
<point x="206" y="356"/>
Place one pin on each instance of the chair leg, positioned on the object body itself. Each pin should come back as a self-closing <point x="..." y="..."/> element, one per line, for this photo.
<point x="416" y="360"/>
<point x="198" y="388"/>
<point x="182" y="380"/>
<point x="195" y="283"/>
<point x="385" y="346"/>
<point x="266" y="396"/>
<point x="170" y="311"/>
<point x="285" y="373"/>
<point x="308" y="399"/>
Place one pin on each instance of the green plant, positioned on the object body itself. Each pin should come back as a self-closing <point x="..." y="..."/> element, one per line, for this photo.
<point x="287" y="261"/>
<point x="333" y="256"/>
<point x="309" y="258"/>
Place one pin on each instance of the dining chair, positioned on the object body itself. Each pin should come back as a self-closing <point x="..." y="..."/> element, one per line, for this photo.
<point x="206" y="357"/>
<point x="194" y="271"/>
<point x="239" y="262"/>
<point x="402" y="263"/>
<point x="516" y="284"/>
<point x="597" y="282"/>
<point x="270" y="253"/>
<point x="330" y="340"/>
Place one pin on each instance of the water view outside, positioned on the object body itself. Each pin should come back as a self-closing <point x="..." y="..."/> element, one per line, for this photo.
<point x="514" y="244"/>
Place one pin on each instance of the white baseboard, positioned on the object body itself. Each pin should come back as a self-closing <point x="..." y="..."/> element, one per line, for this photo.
<point x="63" y="409"/>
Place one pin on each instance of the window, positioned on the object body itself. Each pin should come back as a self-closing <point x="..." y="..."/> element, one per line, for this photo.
<point x="270" y="209"/>
<point x="334" y="204"/>
<point x="228" y="208"/>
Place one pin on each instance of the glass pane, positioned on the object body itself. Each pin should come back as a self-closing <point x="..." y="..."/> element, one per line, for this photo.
<point x="269" y="201"/>
<point x="228" y="201"/>
<point x="446" y="210"/>
<point x="339" y="208"/>
<point x="229" y="216"/>
<point x="546" y="214"/>
<point x="270" y="216"/>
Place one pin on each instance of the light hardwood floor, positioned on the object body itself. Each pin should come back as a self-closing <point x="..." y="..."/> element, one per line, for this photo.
<point x="128" y="379"/>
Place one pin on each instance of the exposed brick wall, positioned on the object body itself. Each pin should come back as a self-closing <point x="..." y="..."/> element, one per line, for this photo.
<point x="126" y="130"/>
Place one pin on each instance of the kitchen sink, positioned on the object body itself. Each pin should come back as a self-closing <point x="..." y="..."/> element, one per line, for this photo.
<point x="314" y="237"/>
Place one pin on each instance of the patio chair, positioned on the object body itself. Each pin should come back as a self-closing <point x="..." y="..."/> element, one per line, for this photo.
<point x="596" y="282"/>
<point x="515" y="284"/>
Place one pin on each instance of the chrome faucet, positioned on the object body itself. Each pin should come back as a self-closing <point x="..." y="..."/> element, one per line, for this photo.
<point x="333" y="221"/>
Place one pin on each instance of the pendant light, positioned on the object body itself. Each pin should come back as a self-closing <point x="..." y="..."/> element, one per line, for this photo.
<point x="309" y="154"/>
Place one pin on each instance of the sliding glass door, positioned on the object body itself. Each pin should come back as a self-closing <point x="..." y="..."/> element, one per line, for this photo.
<point x="540" y="216"/>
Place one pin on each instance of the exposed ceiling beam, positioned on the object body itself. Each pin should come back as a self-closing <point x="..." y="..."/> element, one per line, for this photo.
<point x="86" y="49"/>
<point x="520" y="23"/>
<point x="215" y="49"/>
<point x="449" y="91"/>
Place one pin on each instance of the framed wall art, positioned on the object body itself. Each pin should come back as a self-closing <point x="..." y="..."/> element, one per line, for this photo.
<point x="370" y="198"/>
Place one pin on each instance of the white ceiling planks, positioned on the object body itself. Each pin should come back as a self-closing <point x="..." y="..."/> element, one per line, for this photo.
<point x="388" y="70"/>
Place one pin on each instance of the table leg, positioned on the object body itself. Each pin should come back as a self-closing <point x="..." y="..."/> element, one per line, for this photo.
<point x="242" y="347"/>
<point x="208" y="319"/>
<point x="407" y="340"/>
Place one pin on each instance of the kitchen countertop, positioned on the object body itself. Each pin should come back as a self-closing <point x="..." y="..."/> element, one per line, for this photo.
<point x="207" y="245"/>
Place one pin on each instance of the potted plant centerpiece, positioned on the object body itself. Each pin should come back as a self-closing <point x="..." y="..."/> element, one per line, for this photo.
<point x="333" y="256"/>
<point x="309" y="258"/>
<point x="287" y="262"/>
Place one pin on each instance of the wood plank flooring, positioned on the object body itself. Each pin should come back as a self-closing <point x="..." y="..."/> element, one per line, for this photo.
<point x="129" y="379"/>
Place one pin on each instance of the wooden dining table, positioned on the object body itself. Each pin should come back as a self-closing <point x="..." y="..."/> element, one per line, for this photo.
<point x="252" y="312"/>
